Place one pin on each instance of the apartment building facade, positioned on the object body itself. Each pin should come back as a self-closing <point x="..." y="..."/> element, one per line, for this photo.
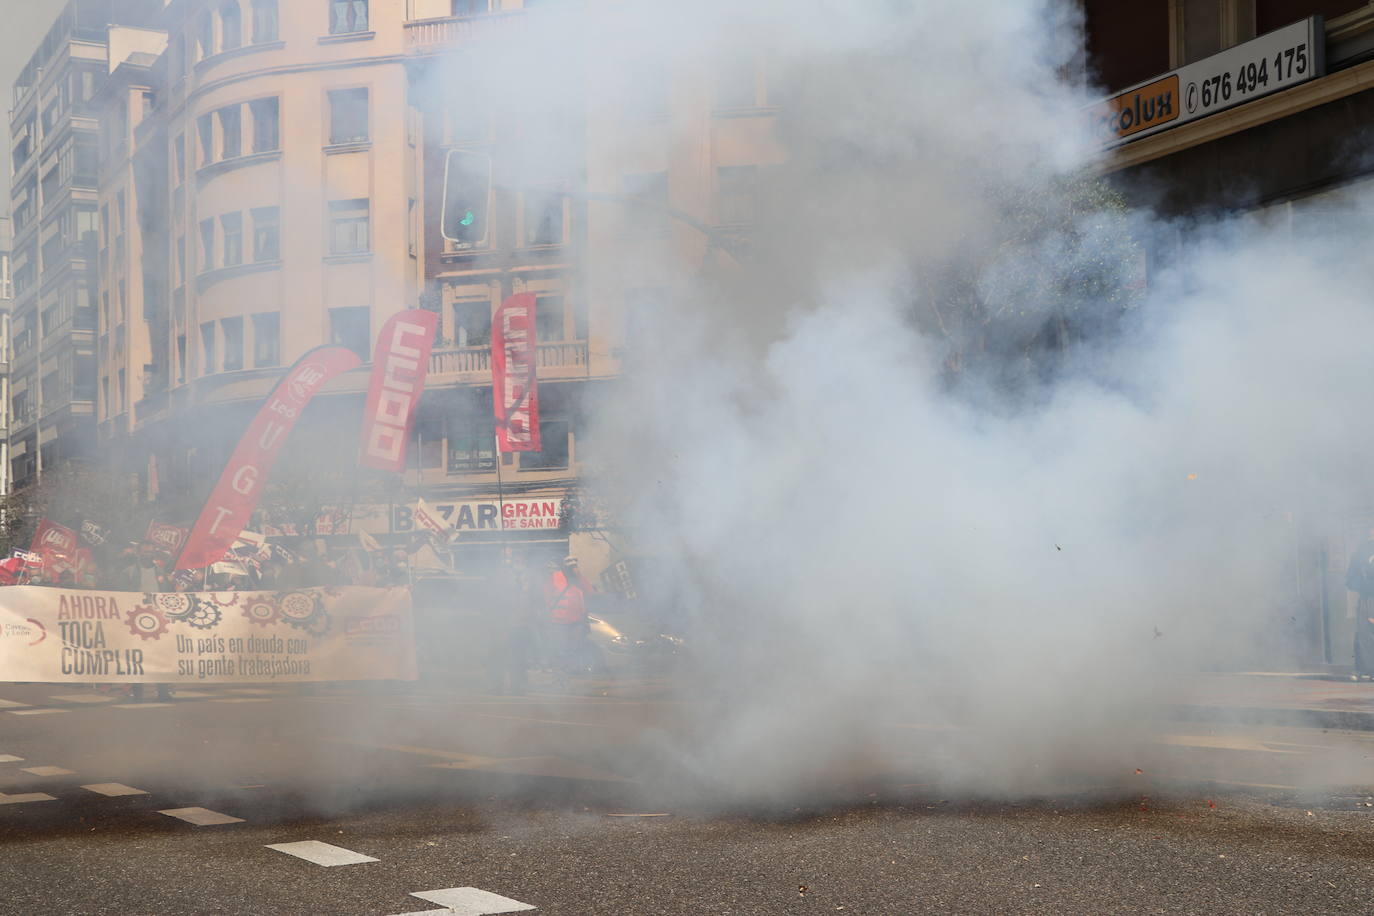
<point x="274" y="180"/>
<point x="55" y="126"/>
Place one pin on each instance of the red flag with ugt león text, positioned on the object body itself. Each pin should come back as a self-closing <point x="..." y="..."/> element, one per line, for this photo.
<point x="399" y="366"/>
<point x="514" y="385"/>
<point x="240" y="485"/>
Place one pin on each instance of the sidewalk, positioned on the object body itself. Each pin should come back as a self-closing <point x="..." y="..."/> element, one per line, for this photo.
<point x="1297" y="698"/>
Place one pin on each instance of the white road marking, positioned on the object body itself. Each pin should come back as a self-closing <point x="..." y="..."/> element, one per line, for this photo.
<point x="48" y="771"/>
<point x="10" y="704"/>
<point x="1228" y="742"/>
<point x="82" y="698"/>
<point x="9" y="758"/>
<point x="446" y="911"/>
<point x="34" y="712"/>
<point x="470" y="901"/>
<point x="139" y="705"/>
<point x="240" y="700"/>
<point x="201" y="817"/>
<point x="20" y="799"/>
<point x="193" y="695"/>
<point x="113" y="789"/>
<point x="321" y="853"/>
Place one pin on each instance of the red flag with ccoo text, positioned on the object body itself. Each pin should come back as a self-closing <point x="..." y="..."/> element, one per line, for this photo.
<point x="514" y="384"/>
<point x="240" y="485"/>
<point x="399" y="366"/>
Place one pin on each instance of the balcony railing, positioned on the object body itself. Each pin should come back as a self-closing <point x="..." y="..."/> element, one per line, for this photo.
<point x="475" y="362"/>
<point x="429" y="36"/>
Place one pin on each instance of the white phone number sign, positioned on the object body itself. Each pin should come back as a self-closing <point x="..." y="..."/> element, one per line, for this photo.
<point x="1283" y="58"/>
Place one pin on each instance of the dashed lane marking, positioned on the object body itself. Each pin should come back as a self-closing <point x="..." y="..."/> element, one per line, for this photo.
<point x="9" y="758"/>
<point x="34" y="712"/>
<point x="21" y="799"/>
<point x="201" y="817"/>
<point x="471" y="901"/>
<point x="48" y="771"/>
<point x="1235" y="743"/>
<point x="193" y="695"/>
<point x="113" y="789"/>
<point x="240" y="700"/>
<point x="11" y="704"/>
<point x="82" y="698"/>
<point x="321" y="853"/>
<point x="139" y="705"/>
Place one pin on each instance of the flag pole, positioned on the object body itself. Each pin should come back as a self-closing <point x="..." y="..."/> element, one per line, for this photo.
<point x="500" y="489"/>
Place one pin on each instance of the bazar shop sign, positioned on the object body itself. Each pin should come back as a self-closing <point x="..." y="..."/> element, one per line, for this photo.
<point x="54" y="635"/>
<point x="1262" y="66"/>
<point x="521" y="514"/>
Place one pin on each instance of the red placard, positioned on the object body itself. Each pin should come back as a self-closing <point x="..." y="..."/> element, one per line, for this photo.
<point x="514" y="383"/>
<point x="53" y="539"/>
<point x="240" y="486"/>
<point x="166" y="537"/>
<point x="399" y="366"/>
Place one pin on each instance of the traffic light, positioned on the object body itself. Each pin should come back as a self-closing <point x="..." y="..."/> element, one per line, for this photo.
<point x="467" y="191"/>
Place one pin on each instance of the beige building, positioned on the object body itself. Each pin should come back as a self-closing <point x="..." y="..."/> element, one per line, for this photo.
<point x="301" y="147"/>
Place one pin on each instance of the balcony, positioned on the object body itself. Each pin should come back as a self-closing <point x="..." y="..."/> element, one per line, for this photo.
<point x="472" y="365"/>
<point x="434" y="36"/>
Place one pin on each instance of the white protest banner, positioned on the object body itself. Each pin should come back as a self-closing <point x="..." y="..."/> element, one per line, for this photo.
<point x="54" y="635"/>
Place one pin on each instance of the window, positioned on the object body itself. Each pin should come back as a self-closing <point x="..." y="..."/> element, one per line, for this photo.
<point x="232" y="224"/>
<point x="207" y="348"/>
<point x="179" y="159"/>
<point x="266" y="129"/>
<point x="205" y="126"/>
<point x="347" y="116"/>
<point x="468" y="7"/>
<point x="347" y="16"/>
<point x="230" y="26"/>
<point x="736" y="86"/>
<point x="348" y="227"/>
<point x="232" y="329"/>
<point x="266" y="340"/>
<point x="553" y="438"/>
<point x="472" y="322"/>
<point x="181" y="359"/>
<point x="231" y="134"/>
<point x="348" y="327"/>
<point x="181" y="260"/>
<point x="265" y="26"/>
<point x="207" y="245"/>
<point x="548" y="318"/>
<point x="650" y="220"/>
<point x="122" y="392"/>
<point x="83" y="378"/>
<point x="205" y="35"/>
<point x="543" y="219"/>
<point x="471" y="446"/>
<point x="266" y="234"/>
<point x="738" y="188"/>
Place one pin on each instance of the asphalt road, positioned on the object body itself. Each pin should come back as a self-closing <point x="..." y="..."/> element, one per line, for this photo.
<point x="567" y="804"/>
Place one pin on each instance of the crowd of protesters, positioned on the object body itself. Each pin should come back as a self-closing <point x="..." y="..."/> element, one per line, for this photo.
<point x="145" y="568"/>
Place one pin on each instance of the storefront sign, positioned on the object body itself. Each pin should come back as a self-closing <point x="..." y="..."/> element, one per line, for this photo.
<point x="53" y="635"/>
<point x="1279" y="60"/>
<point x="521" y="514"/>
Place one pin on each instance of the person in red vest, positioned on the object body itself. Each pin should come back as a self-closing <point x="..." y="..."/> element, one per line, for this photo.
<point x="565" y="595"/>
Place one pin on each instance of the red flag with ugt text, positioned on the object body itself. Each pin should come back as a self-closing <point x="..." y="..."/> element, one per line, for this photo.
<point x="240" y="485"/>
<point x="514" y="385"/>
<point x="399" y="366"/>
<point x="166" y="537"/>
<point x="52" y="539"/>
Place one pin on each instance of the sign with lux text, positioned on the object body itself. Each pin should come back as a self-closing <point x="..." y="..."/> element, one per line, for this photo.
<point x="1272" y="62"/>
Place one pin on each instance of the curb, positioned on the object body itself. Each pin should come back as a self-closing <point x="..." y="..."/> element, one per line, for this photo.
<point x="1303" y="717"/>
